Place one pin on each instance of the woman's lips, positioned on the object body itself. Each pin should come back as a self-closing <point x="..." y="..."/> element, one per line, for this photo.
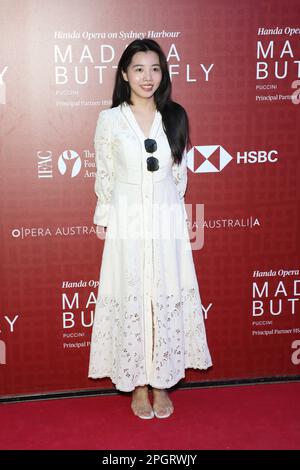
<point x="147" y="87"/>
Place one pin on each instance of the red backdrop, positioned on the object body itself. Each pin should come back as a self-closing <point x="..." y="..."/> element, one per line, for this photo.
<point x="235" y="68"/>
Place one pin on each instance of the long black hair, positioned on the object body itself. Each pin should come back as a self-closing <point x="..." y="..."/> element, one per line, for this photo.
<point x="174" y="117"/>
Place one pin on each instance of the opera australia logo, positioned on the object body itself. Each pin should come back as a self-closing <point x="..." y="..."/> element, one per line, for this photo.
<point x="207" y="158"/>
<point x="69" y="162"/>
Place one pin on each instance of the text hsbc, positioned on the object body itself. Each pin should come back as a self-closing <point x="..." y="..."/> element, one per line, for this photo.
<point x="260" y="156"/>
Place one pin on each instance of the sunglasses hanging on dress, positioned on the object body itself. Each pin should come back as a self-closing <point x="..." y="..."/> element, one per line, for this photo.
<point x="151" y="147"/>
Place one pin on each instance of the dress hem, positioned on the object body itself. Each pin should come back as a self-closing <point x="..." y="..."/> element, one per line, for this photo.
<point x="95" y="377"/>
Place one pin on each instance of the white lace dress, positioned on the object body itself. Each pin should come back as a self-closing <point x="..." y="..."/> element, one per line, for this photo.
<point x="148" y="323"/>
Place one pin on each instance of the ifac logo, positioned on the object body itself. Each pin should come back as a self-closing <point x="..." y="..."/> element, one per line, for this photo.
<point x="69" y="162"/>
<point x="207" y="158"/>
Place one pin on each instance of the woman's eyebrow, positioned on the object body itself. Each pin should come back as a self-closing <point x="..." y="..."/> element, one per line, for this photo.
<point x="142" y="65"/>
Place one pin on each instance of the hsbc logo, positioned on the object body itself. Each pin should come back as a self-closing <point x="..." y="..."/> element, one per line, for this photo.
<point x="207" y="158"/>
<point x="213" y="158"/>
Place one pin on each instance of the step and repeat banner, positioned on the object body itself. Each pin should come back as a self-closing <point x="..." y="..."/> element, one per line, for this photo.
<point x="235" y="67"/>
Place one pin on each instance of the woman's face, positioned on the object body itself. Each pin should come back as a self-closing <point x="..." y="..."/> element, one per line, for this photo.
<point x="143" y="74"/>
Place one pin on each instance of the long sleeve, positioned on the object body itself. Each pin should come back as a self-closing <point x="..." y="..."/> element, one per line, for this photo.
<point x="105" y="172"/>
<point x="180" y="175"/>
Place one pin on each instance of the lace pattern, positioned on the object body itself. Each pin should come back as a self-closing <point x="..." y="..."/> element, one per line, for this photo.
<point x="105" y="146"/>
<point x="180" y="175"/>
<point x="105" y="168"/>
<point x="122" y="323"/>
<point x="117" y="349"/>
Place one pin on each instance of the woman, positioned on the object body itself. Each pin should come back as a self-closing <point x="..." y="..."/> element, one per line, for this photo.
<point x="148" y="325"/>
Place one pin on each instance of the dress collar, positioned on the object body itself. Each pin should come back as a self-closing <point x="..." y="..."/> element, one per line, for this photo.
<point x="130" y="117"/>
